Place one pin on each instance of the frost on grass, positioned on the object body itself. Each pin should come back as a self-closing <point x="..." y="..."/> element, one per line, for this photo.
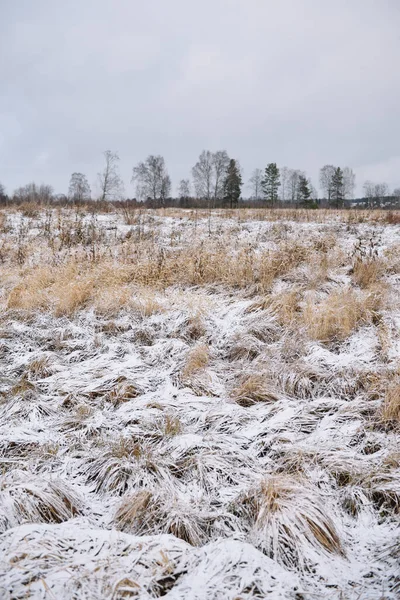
<point x="103" y="564"/>
<point x="199" y="408"/>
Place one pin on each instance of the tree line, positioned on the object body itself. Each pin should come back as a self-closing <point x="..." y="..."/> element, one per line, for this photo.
<point x="216" y="181"/>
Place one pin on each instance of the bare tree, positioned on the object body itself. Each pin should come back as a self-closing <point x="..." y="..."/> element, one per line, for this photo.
<point x="184" y="188"/>
<point x="369" y="192"/>
<point x="293" y="185"/>
<point x="165" y="189"/>
<point x="42" y="194"/>
<point x="79" y="188"/>
<point x="203" y="176"/>
<point x="349" y="183"/>
<point x="381" y="191"/>
<point x="326" y="175"/>
<point x="184" y="191"/>
<point x="285" y="175"/>
<point x="375" y="193"/>
<point x="255" y="183"/>
<point x="220" y="164"/>
<point x="152" y="180"/>
<point x="209" y="175"/>
<point x="396" y="192"/>
<point x="110" y="182"/>
<point x="313" y="191"/>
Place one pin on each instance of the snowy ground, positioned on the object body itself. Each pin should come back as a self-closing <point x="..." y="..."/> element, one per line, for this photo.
<point x="197" y="441"/>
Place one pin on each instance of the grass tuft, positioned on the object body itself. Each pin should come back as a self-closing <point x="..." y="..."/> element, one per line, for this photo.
<point x="25" y="498"/>
<point x="255" y="389"/>
<point x="288" y="520"/>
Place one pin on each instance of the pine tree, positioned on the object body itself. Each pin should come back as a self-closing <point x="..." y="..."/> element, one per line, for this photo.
<point x="233" y="183"/>
<point x="271" y="183"/>
<point x="304" y="193"/>
<point x="337" y="196"/>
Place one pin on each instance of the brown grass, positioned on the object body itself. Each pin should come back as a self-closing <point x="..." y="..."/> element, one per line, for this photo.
<point x="74" y="264"/>
<point x="287" y="519"/>
<point x="25" y="498"/>
<point x="392" y="217"/>
<point x="30" y="209"/>
<point x="197" y="360"/>
<point x="367" y="273"/>
<point x="170" y="426"/>
<point x="193" y="328"/>
<point x="337" y="317"/>
<point x="122" y="392"/>
<point x="145" y="512"/>
<point x="92" y="278"/>
<point x="254" y="389"/>
<point x="285" y="306"/>
<point x="390" y="411"/>
<point x="39" y="368"/>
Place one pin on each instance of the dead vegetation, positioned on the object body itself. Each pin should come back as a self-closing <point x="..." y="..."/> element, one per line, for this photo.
<point x="335" y="318"/>
<point x="390" y="411"/>
<point x="145" y="512"/>
<point x="287" y="520"/>
<point x="221" y="384"/>
<point x="253" y="389"/>
<point x="25" y="498"/>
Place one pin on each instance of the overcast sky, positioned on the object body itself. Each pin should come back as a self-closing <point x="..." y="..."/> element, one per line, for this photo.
<point x="298" y="82"/>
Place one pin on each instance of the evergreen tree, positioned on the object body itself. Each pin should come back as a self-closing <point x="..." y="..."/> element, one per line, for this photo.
<point x="304" y="193"/>
<point x="337" y="196"/>
<point x="3" y="195"/>
<point x="233" y="183"/>
<point x="271" y="183"/>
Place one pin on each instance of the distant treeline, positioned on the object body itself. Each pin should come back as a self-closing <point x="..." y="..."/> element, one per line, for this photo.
<point x="216" y="182"/>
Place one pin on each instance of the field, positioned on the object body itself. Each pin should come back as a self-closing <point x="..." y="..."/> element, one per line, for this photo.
<point x="199" y="405"/>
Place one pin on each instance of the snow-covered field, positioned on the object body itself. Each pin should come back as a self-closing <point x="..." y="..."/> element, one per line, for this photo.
<point x="199" y="407"/>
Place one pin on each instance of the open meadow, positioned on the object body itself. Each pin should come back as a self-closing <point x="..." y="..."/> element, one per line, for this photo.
<point x="199" y="405"/>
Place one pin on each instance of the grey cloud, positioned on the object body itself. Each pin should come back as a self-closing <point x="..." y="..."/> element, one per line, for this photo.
<point x="299" y="83"/>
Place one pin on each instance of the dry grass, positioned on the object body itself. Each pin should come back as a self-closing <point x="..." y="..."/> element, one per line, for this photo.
<point x="392" y="217"/>
<point x="138" y="321"/>
<point x="77" y="283"/>
<point x="122" y="392"/>
<point x="39" y="368"/>
<point x="367" y="273"/>
<point x="146" y="512"/>
<point x="193" y="374"/>
<point x="23" y="387"/>
<point x="169" y="426"/>
<point x="390" y="411"/>
<point x="285" y="306"/>
<point x="123" y="465"/>
<point x="193" y="328"/>
<point x="76" y="265"/>
<point x="196" y="361"/>
<point x="28" y="498"/>
<point x="254" y="389"/>
<point x="288" y="520"/>
<point x="337" y="317"/>
<point x="30" y="209"/>
<point x="3" y="220"/>
<point x="73" y="287"/>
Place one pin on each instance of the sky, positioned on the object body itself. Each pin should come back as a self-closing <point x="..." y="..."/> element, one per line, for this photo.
<point x="302" y="83"/>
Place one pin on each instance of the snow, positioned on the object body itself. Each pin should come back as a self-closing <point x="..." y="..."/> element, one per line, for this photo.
<point x="62" y="428"/>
